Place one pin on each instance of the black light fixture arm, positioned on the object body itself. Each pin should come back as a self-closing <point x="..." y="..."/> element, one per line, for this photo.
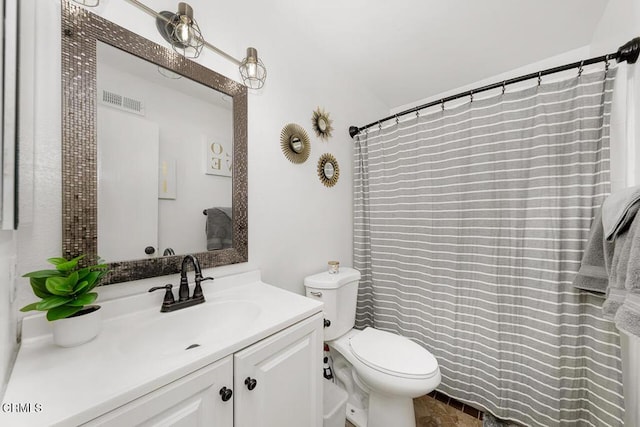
<point x="628" y="52"/>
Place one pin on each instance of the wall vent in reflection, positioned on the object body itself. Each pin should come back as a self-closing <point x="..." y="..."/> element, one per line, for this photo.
<point x="122" y="102"/>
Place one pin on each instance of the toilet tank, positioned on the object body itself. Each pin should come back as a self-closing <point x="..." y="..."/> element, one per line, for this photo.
<point x="339" y="293"/>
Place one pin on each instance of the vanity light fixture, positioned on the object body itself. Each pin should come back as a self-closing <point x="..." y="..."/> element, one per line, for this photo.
<point x="88" y="3"/>
<point x="252" y="70"/>
<point x="168" y="73"/>
<point x="182" y="31"/>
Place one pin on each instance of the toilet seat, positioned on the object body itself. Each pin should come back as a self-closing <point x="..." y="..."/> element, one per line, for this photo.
<point x="393" y="354"/>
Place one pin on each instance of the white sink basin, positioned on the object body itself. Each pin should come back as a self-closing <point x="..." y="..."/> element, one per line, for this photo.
<point x="168" y="333"/>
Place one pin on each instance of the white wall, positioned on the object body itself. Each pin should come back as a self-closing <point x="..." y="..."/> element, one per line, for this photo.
<point x="619" y="24"/>
<point x="295" y="224"/>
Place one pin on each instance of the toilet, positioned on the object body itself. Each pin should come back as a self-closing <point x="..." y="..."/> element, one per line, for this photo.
<point x="381" y="371"/>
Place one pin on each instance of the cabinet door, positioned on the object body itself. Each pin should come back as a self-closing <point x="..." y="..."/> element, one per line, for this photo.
<point x="287" y="370"/>
<point x="192" y="401"/>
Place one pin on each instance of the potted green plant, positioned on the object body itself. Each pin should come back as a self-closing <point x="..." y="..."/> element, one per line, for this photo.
<point x="66" y="295"/>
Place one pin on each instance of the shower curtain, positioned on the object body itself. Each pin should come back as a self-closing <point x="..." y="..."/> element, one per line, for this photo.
<point x="469" y="228"/>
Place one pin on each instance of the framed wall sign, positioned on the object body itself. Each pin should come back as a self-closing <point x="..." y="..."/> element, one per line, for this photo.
<point x="218" y="157"/>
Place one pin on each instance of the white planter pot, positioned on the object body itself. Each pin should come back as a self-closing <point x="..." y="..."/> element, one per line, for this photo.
<point x="79" y="329"/>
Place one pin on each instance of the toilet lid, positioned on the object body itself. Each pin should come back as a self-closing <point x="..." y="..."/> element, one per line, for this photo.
<point x="393" y="354"/>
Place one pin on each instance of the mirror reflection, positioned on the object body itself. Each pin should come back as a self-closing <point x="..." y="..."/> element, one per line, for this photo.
<point x="328" y="170"/>
<point x="165" y="150"/>
<point x="296" y="144"/>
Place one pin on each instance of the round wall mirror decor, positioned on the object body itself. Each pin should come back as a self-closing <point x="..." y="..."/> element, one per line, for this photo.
<point x="322" y="123"/>
<point x="328" y="170"/>
<point x="294" y="142"/>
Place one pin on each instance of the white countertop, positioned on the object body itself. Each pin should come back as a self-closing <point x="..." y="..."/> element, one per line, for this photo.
<point x="70" y="386"/>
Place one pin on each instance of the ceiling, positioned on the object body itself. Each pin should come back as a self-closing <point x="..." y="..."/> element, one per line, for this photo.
<point x="407" y="50"/>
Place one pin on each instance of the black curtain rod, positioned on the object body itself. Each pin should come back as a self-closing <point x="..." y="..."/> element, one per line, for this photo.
<point x="627" y="52"/>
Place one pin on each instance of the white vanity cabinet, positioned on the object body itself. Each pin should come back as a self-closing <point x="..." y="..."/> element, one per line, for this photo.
<point x="275" y="382"/>
<point x="144" y="368"/>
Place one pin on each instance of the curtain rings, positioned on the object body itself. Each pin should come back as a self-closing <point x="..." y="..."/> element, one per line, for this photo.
<point x="504" y="86"/>
<point x="470" y="96"/>
<point x="397" y="120"/>
<point x="442" y="103"/>
<point x="417" y="114"/>
<point x="539" y="77"/>
<point x="379" y="126"/>
<point x="606" y="65"/>
<point x="581" y="69"/>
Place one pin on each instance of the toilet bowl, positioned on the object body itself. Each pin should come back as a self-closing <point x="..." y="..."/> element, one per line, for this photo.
<point x="389" y="363"/>
<point x="390" y="370"/>
<point x="382" y="372"/>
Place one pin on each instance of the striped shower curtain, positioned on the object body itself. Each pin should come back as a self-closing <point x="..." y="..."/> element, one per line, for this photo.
<point x="469" y="228"/>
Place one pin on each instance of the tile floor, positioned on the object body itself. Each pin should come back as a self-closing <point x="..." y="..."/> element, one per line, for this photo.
<point x="438" y="410"/>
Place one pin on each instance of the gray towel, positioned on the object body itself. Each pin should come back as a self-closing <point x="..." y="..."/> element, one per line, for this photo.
<point x="628" y="316"/>
<point x="613" y="264"/>
<point x="617" y="269"/>
<point x="622" y="303"/>
<point x="597" y="256"/>
<point x="218" y="228"/>
<point x="618" y="210"/>
<point x="627" y="298"/>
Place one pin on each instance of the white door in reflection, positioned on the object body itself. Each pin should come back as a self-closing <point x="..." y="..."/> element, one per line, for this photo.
<point x="127" y="185"/>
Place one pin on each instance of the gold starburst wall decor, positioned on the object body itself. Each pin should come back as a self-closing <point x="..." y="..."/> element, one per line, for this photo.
<point x="294" y="142"/>
<point x="322" y="123"/>
<point x="328" y="170"/>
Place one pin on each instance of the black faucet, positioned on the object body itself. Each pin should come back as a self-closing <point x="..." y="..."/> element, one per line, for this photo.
<point x="183" y="294"/>
<point x="169" y="303"/>
<point x="168" y="251"/>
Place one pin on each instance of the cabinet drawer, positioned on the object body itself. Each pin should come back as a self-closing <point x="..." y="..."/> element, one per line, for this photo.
<point x="193" y="400"/>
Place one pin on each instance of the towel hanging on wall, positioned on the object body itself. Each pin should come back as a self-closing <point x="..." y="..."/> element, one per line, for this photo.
<point x="610" y="259"/>
<point x="622" y="227"/>
<point x="218" y="228"/>
<point x="593" y="275"/>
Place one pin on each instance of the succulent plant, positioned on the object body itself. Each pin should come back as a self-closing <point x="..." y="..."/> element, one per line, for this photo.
<point x="67" y="289"/>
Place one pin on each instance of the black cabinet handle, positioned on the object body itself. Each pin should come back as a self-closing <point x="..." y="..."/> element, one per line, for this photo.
<point x="226" y="393"/>
<point x="250" y="383"/>
<point x="327" y="323"/>
<point x="149" y="250"/>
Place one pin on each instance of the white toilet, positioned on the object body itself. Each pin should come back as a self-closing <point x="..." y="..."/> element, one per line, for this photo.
<point x="382" y="372"/>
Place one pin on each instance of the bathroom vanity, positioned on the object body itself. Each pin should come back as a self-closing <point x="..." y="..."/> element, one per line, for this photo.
<point x="251" y="355"/>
